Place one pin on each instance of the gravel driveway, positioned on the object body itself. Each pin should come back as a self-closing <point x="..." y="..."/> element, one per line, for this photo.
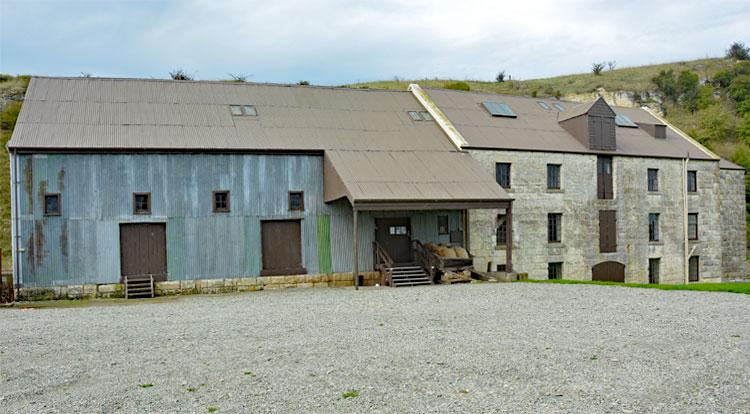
<point x="438" y="349"/>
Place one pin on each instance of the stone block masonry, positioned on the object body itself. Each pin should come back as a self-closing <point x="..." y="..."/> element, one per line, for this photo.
<point x="733" y="224"/>
<point x="199" y="286"/>
<point x="579" y="205"/>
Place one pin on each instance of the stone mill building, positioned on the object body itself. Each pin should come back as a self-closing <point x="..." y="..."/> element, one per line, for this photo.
<point x="218" y="186"/>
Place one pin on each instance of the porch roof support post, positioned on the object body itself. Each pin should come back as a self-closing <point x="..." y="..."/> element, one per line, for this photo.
<point x="355" y="213"/>
<point x="509" y="237"/>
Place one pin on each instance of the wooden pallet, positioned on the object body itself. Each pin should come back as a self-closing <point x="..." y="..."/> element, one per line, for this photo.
<point x="140" y="286"/>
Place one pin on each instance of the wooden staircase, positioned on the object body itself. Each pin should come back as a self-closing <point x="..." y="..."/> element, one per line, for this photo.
<point x="139" y="286"/>
<point x="409" y="276"/>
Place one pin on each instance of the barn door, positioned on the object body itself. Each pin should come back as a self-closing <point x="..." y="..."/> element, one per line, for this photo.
<point x="143" y="250"/>
<point x="282" y="247"/>
<point x="608" y="272"/>
<point x="394" y="234"/>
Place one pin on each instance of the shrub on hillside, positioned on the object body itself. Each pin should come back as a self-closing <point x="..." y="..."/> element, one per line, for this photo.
<point x="458" y="85"/>
<point x="739" y="51"/>
<point x="597" y="68"/>
<point x="500" y="76"/>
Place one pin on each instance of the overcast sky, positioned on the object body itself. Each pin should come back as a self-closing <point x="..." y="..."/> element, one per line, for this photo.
<point x="337" y="42"/>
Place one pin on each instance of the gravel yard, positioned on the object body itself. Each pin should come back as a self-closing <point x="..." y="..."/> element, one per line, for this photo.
<point x="439" y="349"/>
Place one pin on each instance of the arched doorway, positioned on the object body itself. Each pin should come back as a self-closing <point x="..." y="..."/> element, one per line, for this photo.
<point x="608" y="272"/>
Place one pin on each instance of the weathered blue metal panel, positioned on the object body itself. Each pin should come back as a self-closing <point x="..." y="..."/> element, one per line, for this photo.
<point x="82" y="245"/>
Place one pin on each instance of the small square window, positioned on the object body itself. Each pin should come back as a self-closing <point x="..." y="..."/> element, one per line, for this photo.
<point x="249" y="110"/>
<point x="653" y="227"/>
<point x="501" y="235"/>
<point x="692" y="226"/>
<point x="296" y="201"/>
<point x="426" y="115"/>
<point x="141" y="203"/>
<point x="653" y="179"/>
<point x="236" y="110"/>
<point x="694" y="269"/>
<point x="653" y="271"/>
<point x="692" y="181"/>
<point x="502" y="174"/>
<point x="52" y="204"/>
<point x="221" y="201"/>
<point x="554" y="270"/>
<point x="442" y="224"/>
<point x="554" y="227"/>
<point x="553" y="176"/>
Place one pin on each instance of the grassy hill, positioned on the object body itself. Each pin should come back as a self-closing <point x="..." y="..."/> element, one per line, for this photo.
<point x="625" y="79"/>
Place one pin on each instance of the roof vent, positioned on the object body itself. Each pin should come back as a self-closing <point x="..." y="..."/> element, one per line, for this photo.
<point x="655" y="130"/>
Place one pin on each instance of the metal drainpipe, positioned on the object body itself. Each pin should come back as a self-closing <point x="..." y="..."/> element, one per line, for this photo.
<point x="16" y="239"/>
<point x="686" y="258"/>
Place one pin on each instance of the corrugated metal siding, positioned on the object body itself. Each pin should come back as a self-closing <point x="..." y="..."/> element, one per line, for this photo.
<point x="82" y="245"/>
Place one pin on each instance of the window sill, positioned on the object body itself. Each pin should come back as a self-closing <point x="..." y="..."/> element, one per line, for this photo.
<point x="654" y="192"/>
<point x="555" y="190"/>
<point x="501" y="247"/>
<point x="656" y="243"/>
<point x="555" y="244"/>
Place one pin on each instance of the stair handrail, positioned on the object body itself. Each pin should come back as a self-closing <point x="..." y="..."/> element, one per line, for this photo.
<point x="428" y="260"/>
<point x="383" y="263"/>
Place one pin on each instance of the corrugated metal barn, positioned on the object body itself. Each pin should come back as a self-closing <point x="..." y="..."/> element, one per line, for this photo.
<point x="194" y="180"/>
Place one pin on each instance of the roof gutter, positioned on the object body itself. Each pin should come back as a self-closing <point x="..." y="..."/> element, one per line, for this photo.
<point x="681" y="133"/>
<point x="443" y="122"/>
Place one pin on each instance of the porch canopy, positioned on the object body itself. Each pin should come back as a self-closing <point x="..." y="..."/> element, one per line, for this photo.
<point x="411" y="180"/>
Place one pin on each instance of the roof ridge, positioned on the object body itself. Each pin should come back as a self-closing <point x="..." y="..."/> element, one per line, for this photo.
<point x="222" y="82"/>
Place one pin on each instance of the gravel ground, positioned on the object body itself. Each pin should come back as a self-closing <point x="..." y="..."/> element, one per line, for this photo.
<point x="438" y="349"/>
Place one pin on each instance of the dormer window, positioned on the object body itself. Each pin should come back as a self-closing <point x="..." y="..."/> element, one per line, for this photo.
<point x="243" y="110"/>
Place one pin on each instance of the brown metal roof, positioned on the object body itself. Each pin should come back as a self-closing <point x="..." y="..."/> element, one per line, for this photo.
<point x="537" y="129"/>
<point x="725" y="164"/>
<point x="373" y="150"/>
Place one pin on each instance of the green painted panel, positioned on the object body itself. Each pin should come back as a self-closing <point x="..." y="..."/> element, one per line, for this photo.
<point x="324" y="244"/>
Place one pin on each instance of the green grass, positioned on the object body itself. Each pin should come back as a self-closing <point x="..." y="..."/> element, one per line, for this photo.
<point x="213" y="409"/>
<point x="350" y="394"/>
<point x="145" y="385"/>
<point x="741" y="287"/>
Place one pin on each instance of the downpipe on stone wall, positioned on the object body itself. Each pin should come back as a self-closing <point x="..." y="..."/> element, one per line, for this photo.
<point x="686" y="258"/>
<point x="17" y="250"/>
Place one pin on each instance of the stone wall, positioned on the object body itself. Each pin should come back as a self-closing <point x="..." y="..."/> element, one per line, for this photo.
<point x="200" y="286"/>
<point x="578" y="203"/>
<point x="733" y="224"/>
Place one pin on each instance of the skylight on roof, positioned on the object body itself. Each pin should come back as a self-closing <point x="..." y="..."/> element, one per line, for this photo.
<point x="499" y="109"/>
<point x="243" y="110"/>
<point x="624" y="121"/>
<point x="544" y="105"/>
<point x="559" y="106"/>
<point x="420" y="116"/>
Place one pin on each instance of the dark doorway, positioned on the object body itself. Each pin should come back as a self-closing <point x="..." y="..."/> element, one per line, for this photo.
<point x="608" y="272"/>
<point x="282" y="247"/>
<point x="394" y="234"/>
<point x="143" y="250"/>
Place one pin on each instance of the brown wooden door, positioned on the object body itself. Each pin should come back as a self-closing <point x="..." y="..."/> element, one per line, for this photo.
<point x="608" y="272"/>
<point x="143" y="250"/>
<point x="394" y="234"/>
<point x="607" y="231"/>
<point x="282" y="247"/>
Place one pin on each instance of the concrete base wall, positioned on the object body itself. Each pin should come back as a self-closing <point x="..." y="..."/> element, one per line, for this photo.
<point x="200" y="286"/>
